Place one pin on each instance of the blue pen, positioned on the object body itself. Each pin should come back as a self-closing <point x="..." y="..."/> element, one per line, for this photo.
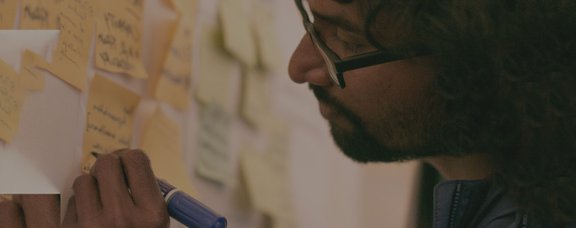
<point x="186" y="209"/>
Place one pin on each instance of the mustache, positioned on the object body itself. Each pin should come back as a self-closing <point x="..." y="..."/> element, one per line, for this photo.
<point x="323" y="96"/>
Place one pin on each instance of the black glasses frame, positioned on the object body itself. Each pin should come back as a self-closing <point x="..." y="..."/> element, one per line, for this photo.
<point x="336" y="65"/>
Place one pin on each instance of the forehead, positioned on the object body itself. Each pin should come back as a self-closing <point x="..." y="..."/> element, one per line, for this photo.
<point x="344" y="11"/>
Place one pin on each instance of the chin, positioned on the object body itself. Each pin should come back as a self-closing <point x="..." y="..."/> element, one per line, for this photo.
<point x="364" y="148"/>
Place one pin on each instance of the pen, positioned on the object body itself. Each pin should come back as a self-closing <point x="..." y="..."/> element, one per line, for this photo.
<point x="187" y="210"/>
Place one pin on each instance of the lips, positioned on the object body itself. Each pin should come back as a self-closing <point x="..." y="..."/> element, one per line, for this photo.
<point x="325" y="103"/>
<point x="325" y="109"/>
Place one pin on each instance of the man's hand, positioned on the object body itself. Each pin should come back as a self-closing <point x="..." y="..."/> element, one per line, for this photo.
<point x="120" y="191"/>
<point x="30" y="211"/>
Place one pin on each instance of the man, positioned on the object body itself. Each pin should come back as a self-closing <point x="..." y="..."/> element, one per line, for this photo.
<point x="482" y="90"/>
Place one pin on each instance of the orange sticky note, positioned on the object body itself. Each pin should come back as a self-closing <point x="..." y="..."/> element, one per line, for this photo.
<point x="118" y="38"/>
<point x="39" y="14"/>
<point x="70" y="60"/>
<point x="11" y="98"/>
<point x="32" y="78"/>
<point x="162" y="141"/>
<point x="109" y="117"/>
<point x="8" y="9"/>
<point x="173" y="85"/>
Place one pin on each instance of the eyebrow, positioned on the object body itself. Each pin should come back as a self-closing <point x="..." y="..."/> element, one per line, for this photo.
<point x="338" y="21"/>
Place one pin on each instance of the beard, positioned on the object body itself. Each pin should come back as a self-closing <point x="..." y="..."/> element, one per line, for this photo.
<point x="401" y="135"/>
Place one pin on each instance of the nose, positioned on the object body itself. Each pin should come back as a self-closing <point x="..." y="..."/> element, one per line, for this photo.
<point x="307" y="65"/>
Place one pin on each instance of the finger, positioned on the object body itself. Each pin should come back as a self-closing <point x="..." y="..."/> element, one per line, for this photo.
<point x="112" y="185"/>
<point x="71" y="217"/>
<point x="41" y="210"/>
<point x="141" y="179"/>
<point x="10" y="215"/>
<point x="87" y="197"/>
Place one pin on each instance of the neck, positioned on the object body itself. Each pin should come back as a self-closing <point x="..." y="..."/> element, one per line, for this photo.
<point x="469" y="167"/>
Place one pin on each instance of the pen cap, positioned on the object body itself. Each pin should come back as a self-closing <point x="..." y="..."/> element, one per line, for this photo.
<point x="191" y="212"/>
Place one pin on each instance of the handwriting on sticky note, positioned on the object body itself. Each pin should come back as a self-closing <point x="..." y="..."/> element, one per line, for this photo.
<point x="213" y="161"/>
<point x="70" y="60"/>
<point x="8" y="9"/>
<point x="118" y="39"/>
<point x="11" y="98"/>
<point x="39" y="14"/>
<point x="162" y="142"/>
<point x="109" y="116"/>
<point x="174" y="83"/>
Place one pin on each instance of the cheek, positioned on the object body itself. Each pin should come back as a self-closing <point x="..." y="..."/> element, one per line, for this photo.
<point x="373" y="92"/>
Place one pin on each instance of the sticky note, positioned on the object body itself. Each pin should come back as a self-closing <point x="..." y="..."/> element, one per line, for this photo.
<point x="162" y="142"/>
<point x="267" y="183"/>
<point x="32" y="77"/>
<point x="39" y="14"/>
<point x="255" y="97"/>
<point x="173" y="86"/>
<point x="237" y="30"/>
<point x="118" y="38"/>
<point x="186" y="8"/>
<point x="8" y="9"/>
<point x="109" y="117"/>
<point x="267" y="45"/>
<point x="11" y="98"/>
<point x="213" y="159"/>
<point x="70" y="59"/>
<point x="215" y="74"/>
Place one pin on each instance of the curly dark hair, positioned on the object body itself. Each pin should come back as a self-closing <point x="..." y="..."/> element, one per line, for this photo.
<point x="508" y="75"/>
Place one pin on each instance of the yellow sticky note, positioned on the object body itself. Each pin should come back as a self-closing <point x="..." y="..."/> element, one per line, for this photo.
<point x="109" y="117"/>
<point x="255" y="97"/>
<point x="186" y="8"/>
<point x="213" y="159"/>
<point x="70" y="60"/>
<point x="32" y="78"/>
<point x="267" y="183"/>
<point x="277" y="132"/>
<point x="267" y="44"/>
<point x="8" y="9"/>
<point x="118" y="38"/>
<point x="213" y="83"/>
<point x="39" y="14"/>
<point x="237" y="30"/>
<point x="11" y="98"/>
<point x="173" y="85"/>
<point x="162" y="142"/>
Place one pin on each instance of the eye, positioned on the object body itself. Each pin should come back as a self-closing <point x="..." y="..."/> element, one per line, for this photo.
<point x="352" y="41"/>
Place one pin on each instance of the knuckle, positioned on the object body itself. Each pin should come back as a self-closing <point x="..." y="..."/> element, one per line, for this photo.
<point x="82" y="182"/>
<point x="105" y="162"/>
<point x="8" y="206"/>
<point x="135" y="157"/>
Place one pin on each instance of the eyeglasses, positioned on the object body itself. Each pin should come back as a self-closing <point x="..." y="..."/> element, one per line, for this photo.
<point x="336" y="65"/>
